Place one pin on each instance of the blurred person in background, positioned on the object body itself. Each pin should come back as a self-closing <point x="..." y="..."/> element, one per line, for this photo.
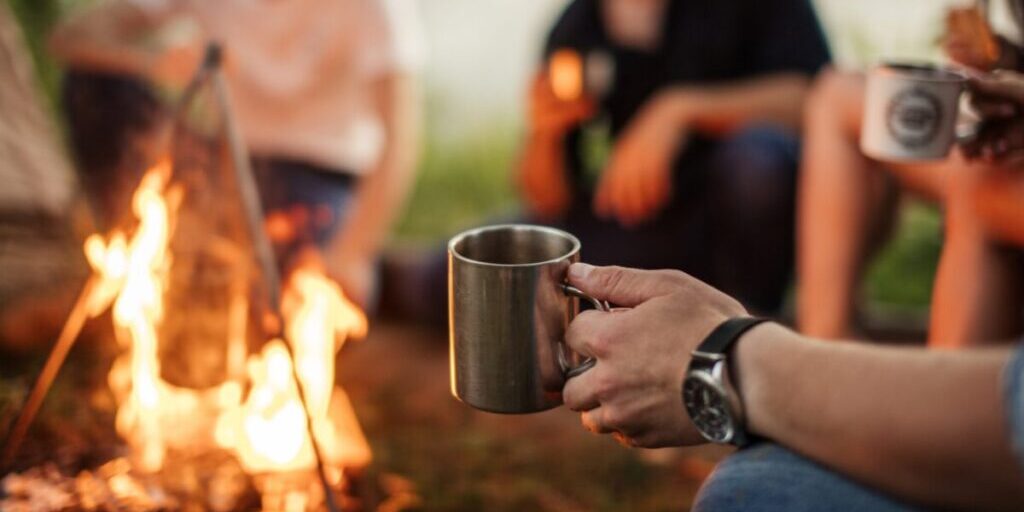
<point x="325" y="94"/>
<point x="981" y="269"/>
<point x="695" y="134"/>
<point x="847" y="203"/>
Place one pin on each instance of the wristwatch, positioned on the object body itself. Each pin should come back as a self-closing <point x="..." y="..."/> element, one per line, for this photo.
<point x="709" y="396"/>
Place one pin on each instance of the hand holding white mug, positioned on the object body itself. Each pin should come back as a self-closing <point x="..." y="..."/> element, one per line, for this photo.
<point x="999" y="99"/>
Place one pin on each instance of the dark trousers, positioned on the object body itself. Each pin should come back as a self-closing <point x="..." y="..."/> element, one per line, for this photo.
<point x="730" y="222"/>
<point x="314" y="198"/>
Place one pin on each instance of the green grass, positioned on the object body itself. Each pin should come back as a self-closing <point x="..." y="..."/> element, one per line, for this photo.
<point x="36" y="18"/>
<point x="902" y="274"/>
<point x="461" y="183"/>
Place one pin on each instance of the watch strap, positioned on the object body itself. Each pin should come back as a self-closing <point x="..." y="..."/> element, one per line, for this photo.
<point x="728" y="332"/>
<point x="717" y="344"/>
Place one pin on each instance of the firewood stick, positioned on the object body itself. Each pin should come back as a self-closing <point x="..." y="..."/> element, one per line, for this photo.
<point x="68" y="334"/>
<point x="253" y="213"/>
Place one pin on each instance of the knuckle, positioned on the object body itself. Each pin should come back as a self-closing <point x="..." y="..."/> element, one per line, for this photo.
<point x="674" y="276"/>
<point x="576" y="335"/>
<point x="615" y="419"/>
<point x="570" y="396"/>
<point x="604" y="389"/>
<point x="599" y="345"/>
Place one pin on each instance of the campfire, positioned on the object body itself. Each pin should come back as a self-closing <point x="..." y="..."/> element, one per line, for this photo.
<point x="268" y="418"/>
<point x="256" y="414"/>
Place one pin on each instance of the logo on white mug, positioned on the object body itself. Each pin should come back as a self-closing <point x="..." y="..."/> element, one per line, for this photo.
<point x="912" y="117"/>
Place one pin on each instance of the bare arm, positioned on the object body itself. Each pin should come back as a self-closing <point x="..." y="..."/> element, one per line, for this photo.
<point x="381" y="195"/>
<point x="724" y="108"/>
<point x="111" y="38"/>
<point x="925" y="425"/>
<point x="104" y="38"/>
<point x="541" y="173"/>
<point x="637" y="182"/>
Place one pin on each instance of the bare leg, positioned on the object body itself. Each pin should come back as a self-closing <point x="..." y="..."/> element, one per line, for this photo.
<point x="846" y="204"/>
<point x="978" y="287"/>
<point x="840" y="199"/>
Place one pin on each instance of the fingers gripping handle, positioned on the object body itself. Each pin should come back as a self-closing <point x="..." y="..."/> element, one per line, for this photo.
<point x="572" y="291"/>
<point x="563" y="359"/>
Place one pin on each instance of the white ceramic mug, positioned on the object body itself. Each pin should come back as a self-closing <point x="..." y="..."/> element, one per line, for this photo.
<point x="910" y="112"/>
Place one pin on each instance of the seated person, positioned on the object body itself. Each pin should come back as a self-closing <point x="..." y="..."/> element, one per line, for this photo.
<point x="980" y="278"/>
<point x="848" y="200"/>
<point x="324" y="92"/>
<point x="703" y="101"/>
<point x="829" y="426"/>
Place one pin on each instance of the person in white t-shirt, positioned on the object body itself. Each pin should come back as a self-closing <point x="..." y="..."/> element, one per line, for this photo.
<point x="324" y="91"/>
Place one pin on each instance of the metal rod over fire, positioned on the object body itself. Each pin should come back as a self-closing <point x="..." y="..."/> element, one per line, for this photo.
<point x="264" y="251"/>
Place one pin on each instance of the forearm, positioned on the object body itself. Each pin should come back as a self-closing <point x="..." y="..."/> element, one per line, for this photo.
<point x="382" y="194"/>
<point x="722" y="109"/>
<point x="926" y="426"/>
<point x="103" y="39"/>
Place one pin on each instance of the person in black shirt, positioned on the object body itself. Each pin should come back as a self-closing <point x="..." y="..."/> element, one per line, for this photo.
<point x="686" y="158"/>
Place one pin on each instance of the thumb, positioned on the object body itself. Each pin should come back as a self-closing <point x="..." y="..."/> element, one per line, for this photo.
<point x="1001" y="85"/>
<point x="624" y="287"/>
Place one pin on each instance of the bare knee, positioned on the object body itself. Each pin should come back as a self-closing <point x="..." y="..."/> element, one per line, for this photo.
<point x="837" y="98"/>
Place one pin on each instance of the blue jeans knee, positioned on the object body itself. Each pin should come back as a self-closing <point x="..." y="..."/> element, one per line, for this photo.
<point x="769" y="478"/>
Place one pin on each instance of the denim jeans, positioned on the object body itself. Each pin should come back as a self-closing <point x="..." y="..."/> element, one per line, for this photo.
<point x="769" y="478"/>
<point x="321" y="195"/>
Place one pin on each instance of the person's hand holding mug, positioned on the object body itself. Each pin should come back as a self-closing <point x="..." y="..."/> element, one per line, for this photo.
<point x="998" y="98"/>
<point x="634" y="389"/>
<point x="542" y="175"/>
<point x="969" y="40"/>
<point x="637" y="183"/>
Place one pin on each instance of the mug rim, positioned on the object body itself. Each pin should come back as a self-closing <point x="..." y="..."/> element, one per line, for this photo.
<point x="512" y="226"/>
<point x="938" y="73"/>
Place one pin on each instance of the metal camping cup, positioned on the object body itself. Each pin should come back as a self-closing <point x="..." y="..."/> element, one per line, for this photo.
<point x="910" y="112"/>
<point x="508" y="310"/>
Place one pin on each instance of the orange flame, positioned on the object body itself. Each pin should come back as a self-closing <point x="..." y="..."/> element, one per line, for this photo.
<point x="268" y="432"/>
<point x="133" y="272"/>
<point x="266" y="428"/>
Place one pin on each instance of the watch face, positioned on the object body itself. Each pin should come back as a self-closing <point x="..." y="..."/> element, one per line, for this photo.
<point x="706" y="404"/>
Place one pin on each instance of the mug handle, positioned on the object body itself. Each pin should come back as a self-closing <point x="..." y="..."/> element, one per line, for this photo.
<point x="563" y="360"/>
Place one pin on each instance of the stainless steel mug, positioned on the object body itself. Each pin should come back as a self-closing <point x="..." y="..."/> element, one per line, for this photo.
<point x="508" y="309"/>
